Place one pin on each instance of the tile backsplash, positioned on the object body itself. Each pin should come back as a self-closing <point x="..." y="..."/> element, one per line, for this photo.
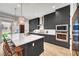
<point x="45" y="31"/>
<point x="50" y="31"/>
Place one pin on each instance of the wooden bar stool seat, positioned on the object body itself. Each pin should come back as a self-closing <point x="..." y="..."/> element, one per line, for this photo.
<point x="18" y="50"/>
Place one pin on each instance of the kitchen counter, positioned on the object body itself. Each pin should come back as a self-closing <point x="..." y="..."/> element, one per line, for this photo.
<point x="20" y="39"/>
<point x="43" y="33"/>
<point x="33" y="45"/>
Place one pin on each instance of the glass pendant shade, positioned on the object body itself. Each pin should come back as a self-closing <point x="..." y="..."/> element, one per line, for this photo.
<point x="21" y="20"/>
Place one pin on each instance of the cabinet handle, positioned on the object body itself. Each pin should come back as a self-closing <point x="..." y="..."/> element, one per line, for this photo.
<point x="33" y="44"/>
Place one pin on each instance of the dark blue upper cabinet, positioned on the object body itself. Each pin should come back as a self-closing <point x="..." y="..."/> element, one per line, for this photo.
<point x="60" y="16"/>
<point x="33" y="24"/>
<point x="49" y="21"/>
<point x="63" y="15"/>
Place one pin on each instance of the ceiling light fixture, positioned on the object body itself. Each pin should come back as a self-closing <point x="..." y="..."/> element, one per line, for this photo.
<point x="18" y="5"/>
<point x="53" y="7"/>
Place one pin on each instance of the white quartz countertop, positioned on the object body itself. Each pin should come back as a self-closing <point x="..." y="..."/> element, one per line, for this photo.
<point x="20" y="39"/>
<point x="44" y="33"/>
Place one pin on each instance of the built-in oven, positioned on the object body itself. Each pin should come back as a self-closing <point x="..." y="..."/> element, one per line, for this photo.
<point x="62" y="32"/>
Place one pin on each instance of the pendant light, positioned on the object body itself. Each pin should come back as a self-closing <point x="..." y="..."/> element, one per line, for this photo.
<point x="21" y="18"/>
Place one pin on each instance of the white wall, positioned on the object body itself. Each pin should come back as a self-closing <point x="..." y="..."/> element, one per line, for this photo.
<point x="0" y="27"/>
<point x="6" y="25"/>
<point x="16" y="26"/>
<point x="0" y="31"/>
<point x="27" y="26"/>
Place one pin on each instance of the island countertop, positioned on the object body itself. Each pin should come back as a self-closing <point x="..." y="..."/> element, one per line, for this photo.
<point x="20" y="39"/>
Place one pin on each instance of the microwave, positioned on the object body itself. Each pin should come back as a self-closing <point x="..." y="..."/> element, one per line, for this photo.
<point x="63" y="27"/>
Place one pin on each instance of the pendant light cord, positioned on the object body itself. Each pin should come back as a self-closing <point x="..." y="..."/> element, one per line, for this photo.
<point x="21" y="9"/>
<point x="15" y="13"/>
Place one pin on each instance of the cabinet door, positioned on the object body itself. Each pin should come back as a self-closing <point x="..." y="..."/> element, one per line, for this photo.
<point x="49" y="21"/>
<point x="34" y="48"/>
<point x="38" y="47"/>
<point x="50" y="39"/>
<point x="33" y="24"/>
<point x="27" y="49"/>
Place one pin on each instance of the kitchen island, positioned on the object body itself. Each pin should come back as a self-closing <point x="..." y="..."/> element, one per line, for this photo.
<point x="33" y="45"/>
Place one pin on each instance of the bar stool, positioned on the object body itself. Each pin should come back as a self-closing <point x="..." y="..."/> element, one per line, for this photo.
<point x="9" y="52"/>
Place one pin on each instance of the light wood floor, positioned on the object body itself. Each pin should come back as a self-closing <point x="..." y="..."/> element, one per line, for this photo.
<point x="54" y="50"/>
<point x="75" y="53"/>
<point x="1" y="50"/>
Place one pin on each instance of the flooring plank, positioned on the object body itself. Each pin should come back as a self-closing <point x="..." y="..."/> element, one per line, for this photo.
<point x="54" y="50"/>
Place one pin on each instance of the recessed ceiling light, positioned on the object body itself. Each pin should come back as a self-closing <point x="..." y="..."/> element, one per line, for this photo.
<point x="18" y="5"/>
<point x="53" y="7"/>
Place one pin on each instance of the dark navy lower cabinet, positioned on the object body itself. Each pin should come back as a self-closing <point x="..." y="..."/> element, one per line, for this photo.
<point x="38" y="47"/>
<point x="52" y="39"/>
<point x="34" y="48"/>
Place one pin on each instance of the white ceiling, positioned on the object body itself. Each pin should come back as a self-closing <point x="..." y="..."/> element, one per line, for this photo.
<point x="31" y="10"/>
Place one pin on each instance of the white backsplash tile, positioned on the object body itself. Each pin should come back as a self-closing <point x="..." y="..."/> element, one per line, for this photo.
<point x="50" y="31"/>
<point x="45" y="31"/>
